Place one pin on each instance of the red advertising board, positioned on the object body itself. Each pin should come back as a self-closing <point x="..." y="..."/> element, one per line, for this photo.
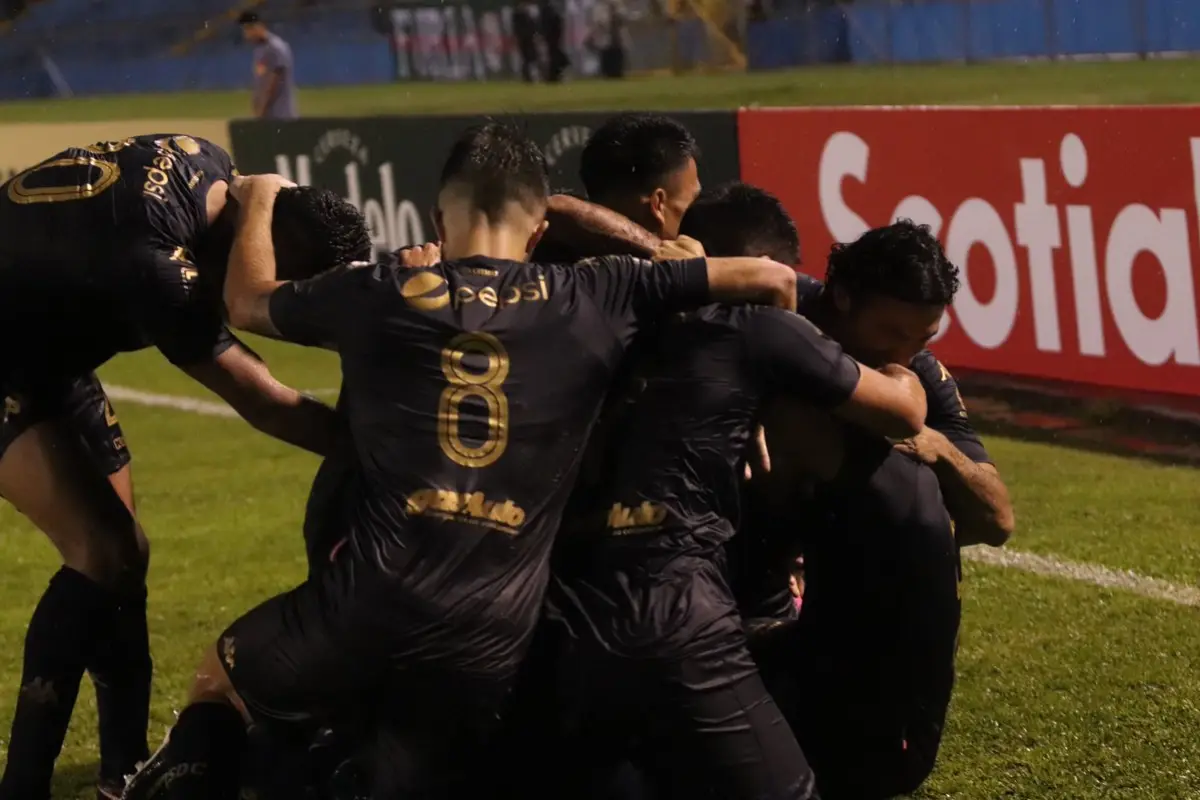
<point x="1076" y="229"/>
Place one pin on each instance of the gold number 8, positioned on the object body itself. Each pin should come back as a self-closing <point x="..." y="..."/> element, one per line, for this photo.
<point x="487" y="386"/>
<point x="107" y="175"/>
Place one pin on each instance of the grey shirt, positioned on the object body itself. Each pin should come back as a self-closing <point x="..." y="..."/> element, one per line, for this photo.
<point x="275" y="56"/>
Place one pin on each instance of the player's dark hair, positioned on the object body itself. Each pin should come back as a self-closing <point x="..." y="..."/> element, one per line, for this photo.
<point x="500" y="165"/>
<point x="903" y="261"/>
<point x="737" y="219"/>
<point x="634" y="153"/>
<point x="314" y="230"/>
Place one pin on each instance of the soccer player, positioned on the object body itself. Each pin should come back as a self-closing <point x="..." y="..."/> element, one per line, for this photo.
<point x="105" y="249"/>
<point x="469" y="389"/>
<point x="641" y="166"/>
<point x="656" y="654"/>
<point x="865" y="676"/>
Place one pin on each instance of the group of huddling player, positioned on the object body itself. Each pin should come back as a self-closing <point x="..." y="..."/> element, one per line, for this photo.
<point x="577" y="450"/>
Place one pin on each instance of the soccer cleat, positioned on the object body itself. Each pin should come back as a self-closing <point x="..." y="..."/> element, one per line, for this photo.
<point x="153" y="776"/>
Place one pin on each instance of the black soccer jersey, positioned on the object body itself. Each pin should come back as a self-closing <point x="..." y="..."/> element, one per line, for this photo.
<point x="98" y="255"/>
<point x="629" y="566"/>
<point x="758" y="558"/>
<point x="673" y="470"/>
<point x="470" y="389"/>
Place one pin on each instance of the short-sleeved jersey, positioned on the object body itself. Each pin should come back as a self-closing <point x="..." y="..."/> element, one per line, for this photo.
<point x="669" y="492"/>
<point x="470" y="389"/>
<point x="98" y="255"/>
<point x="947" y="413"/>
<point x="875" y="490"/>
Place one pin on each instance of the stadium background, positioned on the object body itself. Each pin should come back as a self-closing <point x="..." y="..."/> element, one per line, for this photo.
<point x="1076" y="336"/>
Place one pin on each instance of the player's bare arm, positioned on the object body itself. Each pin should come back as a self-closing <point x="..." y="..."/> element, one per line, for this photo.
<point x="247" y="385"/>
<point x="752" y="280"/>
<point x="251" y="280"/>
<point x="889" y="401"/>
<point x="975" y="494"/>
<point x="591" y="228"/>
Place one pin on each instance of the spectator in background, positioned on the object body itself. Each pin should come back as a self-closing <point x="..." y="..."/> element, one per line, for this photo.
<point x="274" y="82"/>
<point x="609" y="37"/>
<point x="554" y="29"/>
<point x="525" y="30"/>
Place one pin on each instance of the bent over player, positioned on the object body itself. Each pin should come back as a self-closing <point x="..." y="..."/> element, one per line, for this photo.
<point x="469" y="388"/>
<point x="865" y="676"/>
<point x="657" y="665"/>
<point x="104" y="249"/>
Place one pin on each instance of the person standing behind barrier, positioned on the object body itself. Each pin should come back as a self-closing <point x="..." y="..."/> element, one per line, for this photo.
<point x="274" y="79"/>
<point x="554" y="29"/>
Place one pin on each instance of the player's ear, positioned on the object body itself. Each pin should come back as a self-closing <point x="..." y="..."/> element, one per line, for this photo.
<point x="658" y="205"/>
<point x="439" y="224"/>
<point x="841" y="300"/>
<point x="536" y="237"/>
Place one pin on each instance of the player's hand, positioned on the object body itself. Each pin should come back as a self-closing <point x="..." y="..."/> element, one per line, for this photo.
<point x="680" y="249"/>
<point x="926" y="447"/>
<point x="420" y="255"/>
<point x="243" y="187"/>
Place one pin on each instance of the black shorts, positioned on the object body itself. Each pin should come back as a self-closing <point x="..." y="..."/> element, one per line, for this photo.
<point x="342" y="651"/>
<point x="865" y="677"/>
<point x="694" y="716"/>
<point x="82" y="406"/>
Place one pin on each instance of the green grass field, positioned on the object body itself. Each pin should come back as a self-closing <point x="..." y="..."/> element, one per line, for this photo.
<point x="1138" y="82"/>
<point x="1066" y="690"/>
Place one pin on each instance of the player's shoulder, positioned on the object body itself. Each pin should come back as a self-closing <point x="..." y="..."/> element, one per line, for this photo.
<point x="932" y="372"/>
<point x="808" y="289"/>
<point x="611" y="262"/>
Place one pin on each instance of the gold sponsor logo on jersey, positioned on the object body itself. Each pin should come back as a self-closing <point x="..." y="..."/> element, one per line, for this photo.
<point x="473" y="507"/>
<point x="110" y="414"/>
<point x="158" y="171"/>
<point x="426" y="291"/>
<point x="624" y="520"/>
<point x="528" y="292"/>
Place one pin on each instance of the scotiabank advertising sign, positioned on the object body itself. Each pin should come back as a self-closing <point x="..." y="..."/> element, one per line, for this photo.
<point x="1077" y="229"/>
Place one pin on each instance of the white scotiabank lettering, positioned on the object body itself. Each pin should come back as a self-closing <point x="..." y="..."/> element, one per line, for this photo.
<point x="977" y="223"/>
<point x="392" y="224"/>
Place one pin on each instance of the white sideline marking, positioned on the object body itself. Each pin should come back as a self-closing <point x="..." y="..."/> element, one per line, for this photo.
<point x="205" y="408"/>
<point x="208" y="408"/>
<point x="1012" y="559"/>
<point x="1094" y="574"/>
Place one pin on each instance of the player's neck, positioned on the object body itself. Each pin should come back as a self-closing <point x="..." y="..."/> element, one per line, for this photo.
<point x="491" y="241"/>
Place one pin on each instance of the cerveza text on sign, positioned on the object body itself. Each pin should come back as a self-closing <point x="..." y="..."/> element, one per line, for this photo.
<point x="393" y="223"/>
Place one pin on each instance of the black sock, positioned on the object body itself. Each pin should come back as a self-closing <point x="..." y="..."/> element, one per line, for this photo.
<point x="121" y="670"/>
<point x="209" y="739"/>
<point x="62" y="635"/>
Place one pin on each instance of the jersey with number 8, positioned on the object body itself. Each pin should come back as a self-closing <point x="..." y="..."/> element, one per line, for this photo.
<point x="470" y="389"/>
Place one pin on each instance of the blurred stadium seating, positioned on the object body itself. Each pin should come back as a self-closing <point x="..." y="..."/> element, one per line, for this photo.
<point x="101" y="46"/>
<point x="105" y="46"/>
